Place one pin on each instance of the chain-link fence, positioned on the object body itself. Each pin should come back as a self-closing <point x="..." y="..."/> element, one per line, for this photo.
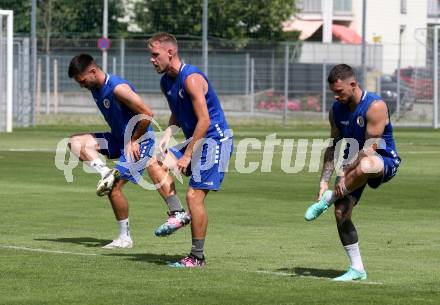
<point x="284" y="80"/>
<point x="278" y="79"/>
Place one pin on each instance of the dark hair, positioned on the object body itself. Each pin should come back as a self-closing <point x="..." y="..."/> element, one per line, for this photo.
<point x="340" y="72"/>
<point x="163" y="37"/>
<point x="79" y="64"/>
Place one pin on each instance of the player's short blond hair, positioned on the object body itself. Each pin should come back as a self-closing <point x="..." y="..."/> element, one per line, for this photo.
<point x="163" y="37"/>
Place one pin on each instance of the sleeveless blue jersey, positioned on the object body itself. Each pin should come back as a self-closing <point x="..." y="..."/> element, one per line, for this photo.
<point x="115" y="113"/>
<point x="181" y="105"/>
<point x="354" y="124"/>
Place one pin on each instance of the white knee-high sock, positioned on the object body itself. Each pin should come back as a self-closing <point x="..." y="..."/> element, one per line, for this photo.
<point x="99" y="167"/>
<point x="354" y="255"/>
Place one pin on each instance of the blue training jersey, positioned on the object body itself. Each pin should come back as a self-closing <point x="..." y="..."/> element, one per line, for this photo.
<point x="115" y="113"/>
<point x="181" y="106"/>
<point x="354" y="124"/>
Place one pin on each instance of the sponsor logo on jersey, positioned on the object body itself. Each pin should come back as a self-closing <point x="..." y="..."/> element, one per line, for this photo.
<point x="345" y="123"/>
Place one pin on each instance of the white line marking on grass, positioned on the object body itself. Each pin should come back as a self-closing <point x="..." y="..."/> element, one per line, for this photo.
<point x="313" y="277"/>
<point x="45" y="250"/>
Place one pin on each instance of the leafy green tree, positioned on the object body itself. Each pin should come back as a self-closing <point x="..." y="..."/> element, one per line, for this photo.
<point x="22" y="14"/>
<point x="71" y="18"/>
<point x="228" y="19"/>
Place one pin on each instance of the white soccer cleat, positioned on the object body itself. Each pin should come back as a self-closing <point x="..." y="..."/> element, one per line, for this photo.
<point x="105" y="185"/>
<point x="120" y="243"/>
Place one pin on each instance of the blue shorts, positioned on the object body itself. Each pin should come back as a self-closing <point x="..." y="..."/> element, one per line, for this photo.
<point x="130" y="171"/>
<point x="391" y="166"/>
<point x="208" y="165"/>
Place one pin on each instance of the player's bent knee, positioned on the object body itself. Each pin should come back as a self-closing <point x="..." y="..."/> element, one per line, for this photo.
<point x="153" y="165"/>
<point x="74" y="143"/>
<point x="79" y="140"/>
<point x="117" y="188"/>
<point x="371" y="166"/>
<point x="116" y="191"/>
<point x="190" y="197"/>
<point x="339" y="215"/>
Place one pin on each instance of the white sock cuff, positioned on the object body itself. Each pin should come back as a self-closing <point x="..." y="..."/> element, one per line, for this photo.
<point x="123" y="221"/>
<point x="95" y="162"/>
<point x="98" y="166"/>
<point x="352" y="246"/>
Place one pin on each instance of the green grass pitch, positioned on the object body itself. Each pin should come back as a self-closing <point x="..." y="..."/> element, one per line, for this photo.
<point x="259" y="249"/>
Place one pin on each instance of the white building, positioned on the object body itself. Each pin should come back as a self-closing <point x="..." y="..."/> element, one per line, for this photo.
<point x="387" y="21"/>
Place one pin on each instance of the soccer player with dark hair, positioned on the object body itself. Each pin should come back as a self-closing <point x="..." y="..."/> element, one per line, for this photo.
<point x="131" y="139"/>
<point x="195" y="108"/>
<point x="362" y="118"/>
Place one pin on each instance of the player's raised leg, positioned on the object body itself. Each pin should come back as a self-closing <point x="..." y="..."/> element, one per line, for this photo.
<point x="85" y="146"/>
<point x="365" y="168"/>
<point x="177" y="217"/>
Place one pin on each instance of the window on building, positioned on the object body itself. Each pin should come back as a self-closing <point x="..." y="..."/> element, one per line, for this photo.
<point x="433" y="8"/>
<point x="403" y="6"/>
<point x="342" y="6"/>
<point x="309" y="6"/>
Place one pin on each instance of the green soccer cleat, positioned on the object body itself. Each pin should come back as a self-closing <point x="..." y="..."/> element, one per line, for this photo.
<point x="352" y="275"/>
<point x="317" y="208"/>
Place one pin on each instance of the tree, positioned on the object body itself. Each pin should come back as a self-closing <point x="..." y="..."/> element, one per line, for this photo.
<point x="236" y="20"/>
<point x="71" y="18"/>
<point x="22" y="14"/>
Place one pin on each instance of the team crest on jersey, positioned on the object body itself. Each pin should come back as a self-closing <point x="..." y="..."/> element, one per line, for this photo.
<point x="106" y="103"/>
<point x="181" y="93"/>
<point x="360" y="121"/>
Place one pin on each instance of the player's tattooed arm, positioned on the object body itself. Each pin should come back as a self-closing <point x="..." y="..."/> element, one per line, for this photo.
<point x="329" y="155"/>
